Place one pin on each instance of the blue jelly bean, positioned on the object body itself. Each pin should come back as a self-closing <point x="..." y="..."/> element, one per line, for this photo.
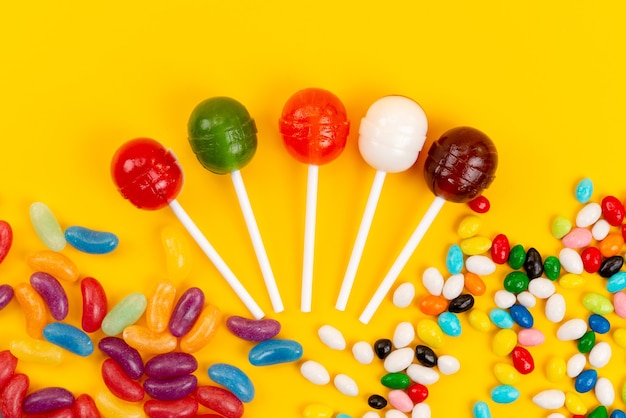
<point x="275" y="351"/>
<point x="342" y="415"/>
<point x="586" y="381"/>
<point x="617" y="414"/>
<point x="69" y="337"/>
<point x="234" y="379"/>
<point x="616" y="282"/>
<point x="599" y="324"/>
<point x="449" y="324"/>
<point x="584" y="190"/>
<point x="501" y="318"/>
<point x="521" y="316"/>
<point x="454" y="259"/>
<point x="481" y="410"/>
<point x="90" y="241"/>
<point x="504" y="394"/>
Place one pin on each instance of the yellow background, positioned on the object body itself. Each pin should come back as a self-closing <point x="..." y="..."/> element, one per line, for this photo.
<point x="545" y="80"/>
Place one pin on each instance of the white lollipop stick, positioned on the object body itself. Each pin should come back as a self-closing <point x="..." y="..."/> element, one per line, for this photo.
<point x="402" y="259"/>
<point x="255" y="236"/>
<point x="309" y="238"/>
<point x="359" y="244"/>
<point x="221" y="266"/>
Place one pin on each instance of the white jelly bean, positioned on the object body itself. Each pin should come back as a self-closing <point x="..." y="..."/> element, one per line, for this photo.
<point x="448" y="365"/>
<point x="314" y="372"/>
<point x="394" y="413"/>
<point x="541" y="287"/>
<point x="504" y="299"/>
<point x="600" y="230"/>
<point x="526" y="299"/>
<point x="332" y="337"/>
<point x="453" y="286"/>
<point x="404" y="294"/>
<point x="605" y="393"/>
<point x="399" y="360"/>
<point x="421" y="410"/>
<point x="480" y="264"/>
<point x="363" y="352"/>
<point x="576" y="364"/>
<point x="588" y="215"/>
<point x="570" y="261"/>
<point x="371" y="414"/>
<point x="571" y="330"/>
<point x="403" y="335"/>
<point x="346" y="385"/>
<point x="432" y="280"/>
<point x="550" y="399"/>
<point x="555" y="308"/>
<point x="556" y="415"/>
<point x="600" y="355"/>
<point x="422" y="374"/>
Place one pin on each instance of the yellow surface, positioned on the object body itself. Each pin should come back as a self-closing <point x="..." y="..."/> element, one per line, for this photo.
<point x="545" y="80"/>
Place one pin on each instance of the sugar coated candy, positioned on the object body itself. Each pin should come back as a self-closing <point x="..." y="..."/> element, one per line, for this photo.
<point x="170" y="389"/>
<point x="91" y="241"/>
<point x="275" y="351"/>
<point x="253" y="329"/>
<point x="47" y="226"/>
<point x="233" y="379"/>
<point x="127" y="357"/>
<point x="47" y="400"/>
<point x="69" y="337"/>
<point x="6" y="239"/>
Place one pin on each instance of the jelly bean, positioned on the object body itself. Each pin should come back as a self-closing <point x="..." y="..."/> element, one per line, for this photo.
<point x="170" y="389"/>
<point x="91" y="241"/>
<point x="399" y="360"/>
<point x="219" y="400"/>
<point x="186" y="311"/>
<point x="36" y="351"/>
<point x="617" y="282"/>
<point x="586" y="342"/>
<point x="160" y="306"/>
<point x="8" y="363"/>
<point x="6" y="295"/>
<point x="577" y="238"/>
<point x="425" y="355"/>
<point x="233" y="379"/>
<point x="453" y="286"/>
<point x="69" y="337"/>
<point x="429" y="332"/>
<point x="185" y="407"/>
<point x="480" y="264"/>
<point x="395" y="380"/>
<point x="422" y="374"/>
<point x="571" y="281"/>
<point x="432" y="281"/>
<point x="599" y="324"/>
<point x="126" y="356"/>
<point x="597" y="303"/>
<point x="506" y="374"/>
<point x="561" y="226"/>
<point x="363" y="352"/>
<point x="6" y="239"/>
<point x="461" y="303"/>
<point x="94" y="304"/>
<point x="346" y="385"/>
<point x="253" y="330"/>
<point x="377" y="401"/>
<point x="611" y="245"/>
<point x="202" y="331"/>
<point x="85" y="407"/>
<point x="501" y="318"/>
<point x="504" y="299"/>
<point x="275" y="351"/>
<point x="503" y="342"/>
<point x="417" y="392"/>
<point x="479" y="320"/>
<point x="165" y="366"/>
<point x="421" y="410"/>
<point x="571" y="330"/>
<point x="552" y="267"/>
<point x="57" y="413"/>
<point x="314" y="372"/>
<point x="555" y="308"/>
<point x="317" y="411"/>
<point x="541" y="287"/>
<point x="549" y="399"/>
<point x="600" y="354"/>
<point x="571" y="261"/>
<point x="585" y="381"/>
<point x="403" y="295"/>
<point x="516" y="282"/>
<point x="469" y="226"/>
<point x="526" y="299"/>
<point x="454" y="259"/>
<point x="530" y="337"/>
<point x="612" y="210"/>
<point x="555" y="369"/>
<point x="47" y="226"/>
<point x="403" y="335"/>
<point x="588" y="215"/>
<point x="34" y="308"/>
<point x="110" y="406"/>
<point x="599" y="412"/>
<point x="616" y="413"/>
<point x="176" y="248"/>
<point x="604" y="391"/>
<point x="619" y="303"/>
<point x="576" y="364"/>
<point x="475" y="245"/>
<point x="52" y="293"/>
<point x="600" y="230"/>
<point x="481" y="410"/>
<point x="382" y="348"/>
<point x="146" y="341"/>
<point x="517" y="257"/>
<point x="591" y="258"/>
<point x="474" y="284"/>
<point x="611" y="266"/>
<point x="504" y="394"/>
<point x="533" y="265"/>
<point x="433" y="305"/>
<point x="479" y="204"/>
<point x="521" y="316"/>
<point x="46" y="400"/>
<point x="12" y="395"/>
<point x="400" y="400"/>
<point x="332" y="337"/>
<point x="448" y="365"/>
<point x="500" y="249"/>
<point x="371" y="414"/>
<point x="575" y="404"/>
<point x="126" y="312"/>
<point x="584" y="190"/>
<point x="55" y="264"/>
<point x="522" y="360"/>
<point x="449" y="324"/>
<point x="619" y="336"/>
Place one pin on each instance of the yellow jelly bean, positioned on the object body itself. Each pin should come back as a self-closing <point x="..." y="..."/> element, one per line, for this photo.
<point x="556" y="367"/>
<point x="176" y="246"/>
<point x="34" y="309"/>
<point x="36" y="351"/>
<point x="475" y="245"/>
<point x="575" y="404"/>
<point x="318" y="411"/>
<point x="571" y="281"/>
<point x="110" y="406"/>
<point x="506" y="374"/>
<point x="430" y="333"/>
<point x="504" y="342"/>
<point x="202" y="331"/>
<point x="619" y="336"/>
<point x="146" y="341"/>
<point x="160" y="306"/>
<point x="469" y="226"/>
<point x="479" y="320"/>
<point x="55" y="264"/>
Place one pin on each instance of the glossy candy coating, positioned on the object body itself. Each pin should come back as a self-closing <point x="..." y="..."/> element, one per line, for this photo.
<point x="91" y="241"/>
<point x="517" y="256"/>
<point x="461" y="303"/>
<point x="481" y="410"/>
<point x="400" y="400"/>
<point x="202" y="331"/>
<point x="449" y="324"/>
<point x="597" y="303"/>
<point x="501" y="318"/>
<point x="382" y="348"/>
<point x="506" y="374"/>
<point x="34" y="308"/>
<point x="56" y="264"/>
<point x="433" y="305"/>
<point x="552" y="267"/>
<point x="12" y="395"/>
<point x="332" y="337"/>
<point x="233" y="379"/>
<point x="6" y="239"/>
<point x="599" y="323"/>
<point x="611" y="245"/>
<point x="479" y="204"/>
<point x="522" y="316"/>
<point x="584" y="190"/>
<point x="119" y="383"/>
<point x="46" y="400"/>
<point x="460" y="164"/>
<point x="395" y="380"/>
<point x="430" y="333"/>
<point x="181" y="408"/>
<point x="219" y="400"/>
<point x="52" y="293"/>
<point x="586" y="342"/>
<point x="474" y="284"/>
<point x="585" y="381"/>
<point x="613" y="210"/>
<point x="516" y="282"/>
<point x="126" y="356"/>
<point x="170" y="389"/>
<point x="126" y="312"/>
<point x="160" y="306"/>
<point x="314" y="372"/>
<point x="425" y="355"/>
<point x="6" y="295"/>
<point x="616" y="282"/>
<point x="253" y="329"/>
<point x="168" y="365"/>
<point x="36" y="351"/>
<point x="533" y="265"/>
<point x="186" y="311"/>
<point x="504" y="394"/>
<point x="275" y="351"/>
<point x="611" y="265"/>
<point x="454" y="259"/>
<point x="94" y="304"/>
<point x="376" y="401"/>
<point x="522" y="360"/>
<point x="69" y="337"/>
<point x="314" y="126"/>
<point x="146" y="174"/>
<point x="500" y="249"/>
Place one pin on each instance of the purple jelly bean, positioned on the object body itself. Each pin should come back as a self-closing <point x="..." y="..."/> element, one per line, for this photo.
<point x="168" y="365"/>
<point x="186" y="311"/>
<point x="46" y="400"/>
<point x="170" y="389"/>
<point x="253" y="329"/>
<point x="6" y="294"/>
<point x="126" y="356"/>
<point x="52" y="293"/>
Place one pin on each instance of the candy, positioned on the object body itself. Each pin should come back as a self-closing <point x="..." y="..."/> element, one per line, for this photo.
<point x="530" y="337"/>
<point x="481" y="410"/>
<point x="571" y="281"/>
<point x="571" y="330"/>
<point x="556" y="369"/>
<point x="584" y="190"/>
<point x="317" y="411"/>
<point x="363" y="352"/>
<point x="597" y="303"/>
<point x="253" y="330"/>
<point x="417" y="392"/>
<point x="6" y="239"/>
<point x="598" y="412"/>
<point x="69" y="337"/>
<point x="202" y="331"/>
<point x="126" y="312"/>
<point x="574" y="403"/>
<point x="516" y="281"/>
<point x="469" y="226"/>
<point x="611" y="245"/>
<point x="371" y="414"/>
<point x="433" y="305"/>
<point x="571" y="261"/>
<point x="504" y="299"/>
<point x="126" y="356"/>
<point x="404" y="294"/>
<point x="480" y="264"/>
<point x="422" y="410"/>
<point x="376" y="401"/>
<point x="592" y="259"/>
<point x="146" y="341"/>
<point x="52" y="293"/>
<point x="555" y="308"/>
<point x="6" y="295"/>
<point x="314" y="372"/>
<point x="461" y="303"/>
<point x="170" y="389"/>
<point x="110" y="406"/>
<point x="12" y="396"/>
<point x="604" y="391"/>
<point x="399" y="360"/>
<point x="506" y="374"/>
<point x="185" y="407"/>
<point x="47" y="226"/>
<point x="517" y="257"/>
<point x="577" y="238"/>
<point x="474" y="284"/>
<point x="176" y="249"/>
<point x="332" y="337"/>
<point x="425" y="355"/>
<point x="588" y="215"/>
<point x="503" y="342"/>
<point x="599" y="323"/>
<point x="617" y="282"/>
<point x="233" y="379"/>
<point x="400" y="400"/>
<point x="448" y="365"/>
<point x="533" y="265"/>
<point x="576" y="364"/>
<point x="429" y="332"/>
<point x="586" y="381"/>
<point x="610" y="266"/>
<point x="526" y="299"/>
<point x="552" y="267"/>
<point x="454" y="259"/>
<point x="501" y="318"/>
<point x="522" y="360"/>
<point x="449" y="324"/>
<point x="619" y="302"/>
<point x="219" y="400"/>
<point x="600" y="229"/>
<point x="475" y="245"/>
<point x="346" y="385"/>
<point x="522" y="316"/>
<point x="186" y="311"/>
<point x="394" y="413"/>
<point x="403" y="335"/>
<point x="504" y="394"/>
<point x="91" y="241"/>
<point x="500" y="249"/>
<point x="383" y="346"/>
<point x="55" y="264"/>
<point x="549" y="399"/>
<point x="168" y="365"/>
<point x="8" y="363"/>
<point x="34" y="309"/>
<point x="561" y="227"/>
<point x="422" y="374"/>
<point x="613" y="210"/>
<point x="94" y="304"/>
<point x="46" y="400"/>
<point x="85" y="407"/>
<point x="395" y="380"/>
<point x="453" y="286"/>
<point x="36" y="351"/>
<point x="160" y="306"/>
<point x="275" y="351"/>
<point x="479" y="204"/>
<point x="600" y="354"/>
<point x="433" y="281"/>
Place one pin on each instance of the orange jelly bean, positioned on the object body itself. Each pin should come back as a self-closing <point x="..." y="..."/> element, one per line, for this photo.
<point x="611" y="245"/>
<point x="34" y="309"/>
<point x="433" y="305"/>
<point x="55" y="264"/>
<point x="147" y="341"/>
<point x="202" y="331"/>
<point x="160" y="306"/>
<point x="474" y="284"/>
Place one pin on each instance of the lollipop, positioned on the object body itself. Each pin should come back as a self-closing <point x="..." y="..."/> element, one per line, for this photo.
<point x="314" y="127"/>
<point x="391" y="136"/>
<point x="223" y="136"/>
<point x="460" y="165"/>
<point x="149" y="176"/>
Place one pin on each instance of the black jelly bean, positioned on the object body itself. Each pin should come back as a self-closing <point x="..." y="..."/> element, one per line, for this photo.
<point x="377" y="402"/>
<point x="611" y="265"/>
<point x="533" y="264"/>
<point x="382" y="348"/>
<point x="426" y="356"/>
<point x="461" y="303"/>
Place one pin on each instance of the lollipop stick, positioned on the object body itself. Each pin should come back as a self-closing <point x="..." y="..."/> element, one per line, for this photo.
<point x="309" y="239"/>
<point x="402" y="259"/>
<point x="221" y="266"/>
<point x="255" y="236"/>
<point x="359" y="244"/>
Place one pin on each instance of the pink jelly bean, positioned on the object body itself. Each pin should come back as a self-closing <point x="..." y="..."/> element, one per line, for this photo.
<point x="619" y="303"/>
<point x="126" y="356"/>
<point x="168" y="365"/>
<point x="47" y="400"/>
<point x="52" y="293"/>
<point x="530" y="337"/>
<point x="577" y="238"/>
<point x="400" y="400"/>
<point x="186" y="311"/>
<point x="253" y="329"/>
<point x="6" y="295"/>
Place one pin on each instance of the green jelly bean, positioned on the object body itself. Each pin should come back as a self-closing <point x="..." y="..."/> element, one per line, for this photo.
<point x="395" y="381"/>
<point x="125" y="313"/>
<point x="516" y="282"/>
<point x="47" y="227"/>
<point x="552" y="267"/>
<point x="517" y="257"/>
<point x="599" y="412"/>
<point x="597" y="303"/>
<point x="561" y="226"/>
<point x="586" y="342"/>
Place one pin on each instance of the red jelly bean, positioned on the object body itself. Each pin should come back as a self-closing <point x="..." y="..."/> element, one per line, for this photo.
<point x="613" y="210"/>
<point x="500" y="249"/>
<point x="624" y="231"/>
<point x="417" y="392"/>
<point x="219" y="400"/>
<point x="13" y="395"/>
<point x="592" y="259"/>
<point x="85" y="407"/>
<point x="59" y="413"/>
<point x="6" y="239"/>
<point x="94" y="304"/>
<point x="479" y="204"/>
<point x="8" y="363"/>
<point x="186" y="407"/>
<point x="522" y="360"/>
<point x="119" y="383"/>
